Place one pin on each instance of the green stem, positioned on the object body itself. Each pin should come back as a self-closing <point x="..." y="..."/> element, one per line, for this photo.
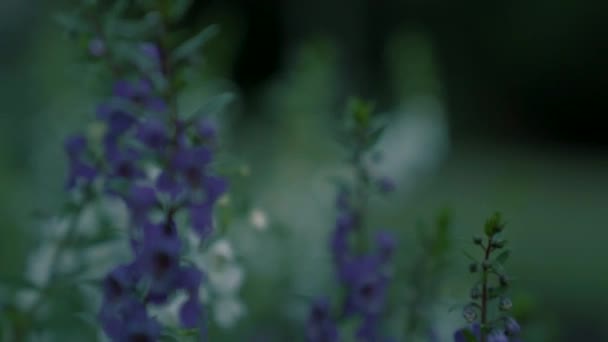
<point x="55" y="258"/>
<point x="484" y="290"/>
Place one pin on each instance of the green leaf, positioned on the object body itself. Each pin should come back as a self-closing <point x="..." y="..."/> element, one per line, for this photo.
<point x="375" y="135"/>
<point x="16" y="283"/>
<point x="70" y="22"/>
<point x="493" y="225"/>
<point x="194" y="44"/>
<point x="215" y="105"/>
<point x="503" y="257"/>
<point x="469" y="336"/>
<point x="360" y="111"/>
<point x="472" y="258"/>
<point x="455" y="307"/>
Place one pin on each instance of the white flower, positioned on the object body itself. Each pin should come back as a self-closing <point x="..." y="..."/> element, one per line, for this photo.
<point x="221" y="252"/>
<point x="227" y="311"/>
<point x="227" y="280"/>
<point x="169" y="314"/>
<point x="258" y="219"/>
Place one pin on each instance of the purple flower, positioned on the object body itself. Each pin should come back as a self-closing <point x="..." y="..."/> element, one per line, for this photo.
<point x="79" y="170"/>
<point x="158" y="260"/>
<point x="512" y="328"/>
<point x="153" y="134"/>
<point x="497" y="336"/>
<point x="140" y="200"/>
<point x="340" y="239"/>
<point x="119" y="122"/>
<point x="320" y="326"/>
<point x="206" y="130"/>
<point x="215" y="187"/>
<point x="201" y="219"/>
<point x="386" y="245"/>
<point x="123" y="164"/>
<point x="151" y="51"/>
<point x="75" y="146"/>
<point x="191" y="163"/>
<point x="368" y="331"/>
<point x="473" y="331"/>
<point x="123" y="89"/>
<point x="168" y="184"/>
<point x="128" y="321"/>
<point x="155" y="104"/>
<point x="120" y="283"/>
<point x="368" y="285"/>
<point x="191" y="312"/>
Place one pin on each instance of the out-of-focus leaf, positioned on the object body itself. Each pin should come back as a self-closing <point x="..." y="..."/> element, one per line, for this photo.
<point x="469" y="336"/>
<point x="15" y="283"/>
<point x="503" y="257"/>
<point x="214" y="105"/>
<point x="71" y="22"/>
<point x="133" y="28"/>
<point x="469" y="256"/>
<point x="179" y="8"/>
<point x="193" y="45"/>
<point x="120" y="7"/>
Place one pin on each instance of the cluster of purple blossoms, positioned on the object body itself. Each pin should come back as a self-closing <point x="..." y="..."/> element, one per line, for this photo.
<point x="509" y="334"/>
<point x="158" y="165"/>
<point x="363" y="275"/>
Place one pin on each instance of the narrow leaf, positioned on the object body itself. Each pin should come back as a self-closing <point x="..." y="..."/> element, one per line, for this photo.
<point x="194" y="44"/>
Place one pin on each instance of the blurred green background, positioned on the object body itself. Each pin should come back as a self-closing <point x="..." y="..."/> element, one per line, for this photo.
<point x="496" y="106"/>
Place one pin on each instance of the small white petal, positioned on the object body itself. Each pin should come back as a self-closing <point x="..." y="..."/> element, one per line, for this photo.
<point x="258" y="219"/>
<point x="227" y="311"/>
<point x="228" y="280"/>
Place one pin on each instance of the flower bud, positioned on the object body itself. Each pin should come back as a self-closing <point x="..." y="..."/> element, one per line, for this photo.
<point x="97" y="47"/>
<point x="475" y="293"/>
<point x="498" y="244"/>
<point x="473" y="267"/>
<point x="469" y="313"/>
<point x="504" y="280"/>
<point x="477" y="240"/>
<point x="505" y="304"/>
